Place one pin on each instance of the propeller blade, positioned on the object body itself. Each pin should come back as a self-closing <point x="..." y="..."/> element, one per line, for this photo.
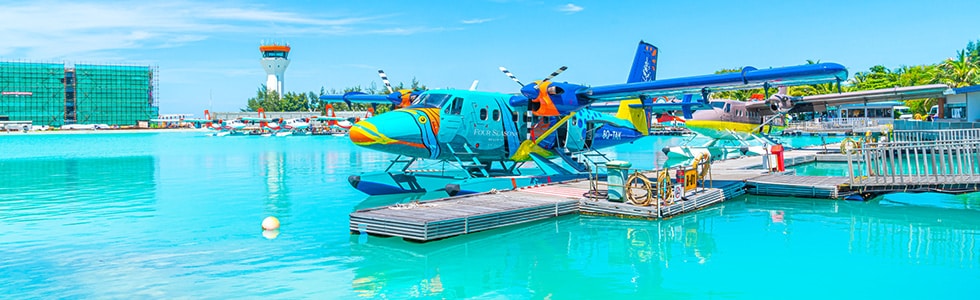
<point x="384" y="78"/>
<point x="555" y="73"/>
<point x="512" y="77"/>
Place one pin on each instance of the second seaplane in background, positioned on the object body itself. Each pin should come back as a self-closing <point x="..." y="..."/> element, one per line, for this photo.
<point x="465" y="141"/>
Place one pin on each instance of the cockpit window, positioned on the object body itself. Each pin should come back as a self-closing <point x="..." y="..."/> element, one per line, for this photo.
<point x="430" y="100"/>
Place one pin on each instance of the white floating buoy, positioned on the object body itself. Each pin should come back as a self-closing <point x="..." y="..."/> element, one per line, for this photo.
<point x="270" y="223"/>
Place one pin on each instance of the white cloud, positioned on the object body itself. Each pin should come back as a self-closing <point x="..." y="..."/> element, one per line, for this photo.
<point x="58" y="29"/>
<point x="570" y="8"/>
<point x="476" y="21"/>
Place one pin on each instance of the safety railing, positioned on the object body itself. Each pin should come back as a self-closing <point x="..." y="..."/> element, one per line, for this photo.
<point x="837" y="124"/>
<point x="947" y="160"/>
<point x="936" y="135"/>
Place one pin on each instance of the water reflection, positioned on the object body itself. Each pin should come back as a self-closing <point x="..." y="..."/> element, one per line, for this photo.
<point x="277" y="191"/>
<point x="616" y="256"/>
<point x="80" y="187"/>
<point x="911" y="231"/>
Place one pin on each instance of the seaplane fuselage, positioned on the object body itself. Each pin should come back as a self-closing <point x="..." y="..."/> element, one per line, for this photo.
<point x="451" y="124"/>
<point x="732" y="119"/>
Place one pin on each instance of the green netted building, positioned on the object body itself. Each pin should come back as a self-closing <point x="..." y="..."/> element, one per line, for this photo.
<point x="56" y="94"/>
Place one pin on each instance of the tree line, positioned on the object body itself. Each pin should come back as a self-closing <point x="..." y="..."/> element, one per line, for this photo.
<point x="310" y="101"/>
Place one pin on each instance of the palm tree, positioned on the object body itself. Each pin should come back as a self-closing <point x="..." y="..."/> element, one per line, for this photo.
<point x="960" y="72"/>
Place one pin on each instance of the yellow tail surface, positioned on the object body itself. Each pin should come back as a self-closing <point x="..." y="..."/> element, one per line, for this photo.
<point x="635" y="115"/>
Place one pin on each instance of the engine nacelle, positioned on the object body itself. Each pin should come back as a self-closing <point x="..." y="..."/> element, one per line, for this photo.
<point x="781" y="103"/>
<point x="553" y="98"/>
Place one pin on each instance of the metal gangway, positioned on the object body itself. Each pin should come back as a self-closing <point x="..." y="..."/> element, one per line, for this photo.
<point x="925" y="160"/>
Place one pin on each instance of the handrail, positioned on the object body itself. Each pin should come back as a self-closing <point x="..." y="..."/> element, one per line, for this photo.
<point x="952" y="158"/>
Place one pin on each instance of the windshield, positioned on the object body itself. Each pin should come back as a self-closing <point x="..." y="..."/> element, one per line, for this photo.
<point x="430" y="100"/>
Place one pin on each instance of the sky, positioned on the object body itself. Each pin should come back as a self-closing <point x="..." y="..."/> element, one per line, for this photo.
<point x="208" y="57"/>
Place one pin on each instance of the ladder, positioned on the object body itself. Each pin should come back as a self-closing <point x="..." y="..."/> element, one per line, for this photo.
<point x="468" y="160"/>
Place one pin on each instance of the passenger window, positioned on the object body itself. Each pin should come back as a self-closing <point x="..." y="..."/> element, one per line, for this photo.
<point x="483" y="114"/>
<point x="516" y="116"/>
<point x="496" y="115"/>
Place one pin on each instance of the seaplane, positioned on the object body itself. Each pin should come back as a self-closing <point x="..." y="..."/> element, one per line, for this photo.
<point x="748" y="127"/>
<point x="220" y="127"/>
<point x="475" y="141"/>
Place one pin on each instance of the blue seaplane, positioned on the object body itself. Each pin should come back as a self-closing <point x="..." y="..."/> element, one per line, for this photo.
<point x="467" y="141"/>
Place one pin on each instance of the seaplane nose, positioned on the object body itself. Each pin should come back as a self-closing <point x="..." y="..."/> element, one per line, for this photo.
<point x="359" y="134"/>
<point x="395" y="132"/>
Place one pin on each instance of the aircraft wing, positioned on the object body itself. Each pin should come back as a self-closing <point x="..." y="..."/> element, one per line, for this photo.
<point x="562" y="98"/>
<point x="358" y="97"/>
<point x="323" y="118"/>
<point x="819" y="103"/>
<point x="686" y="103"/>
<point x="252" y="119"/>
<point x="749" y="78"/>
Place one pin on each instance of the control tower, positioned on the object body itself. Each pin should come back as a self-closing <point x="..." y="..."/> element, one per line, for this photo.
<point x="275" y="59"/>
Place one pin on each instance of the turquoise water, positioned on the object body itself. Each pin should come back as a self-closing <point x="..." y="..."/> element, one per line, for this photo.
<point x="822" y="168"/>
<point x="176" y="215"/>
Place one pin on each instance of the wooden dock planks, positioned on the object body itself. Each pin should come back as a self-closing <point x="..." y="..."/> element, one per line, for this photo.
<point x="430" y="220"/>
<point x="796" y="186"/>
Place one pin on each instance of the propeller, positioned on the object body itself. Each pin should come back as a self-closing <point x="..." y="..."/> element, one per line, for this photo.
<point x="555" y="73"/>
<point x="404" y="97"/>
<point x="384" y="78"/>
<point x="781" y="102"/>
<point x="511" y="75"/>
<point x="538" y="94"/>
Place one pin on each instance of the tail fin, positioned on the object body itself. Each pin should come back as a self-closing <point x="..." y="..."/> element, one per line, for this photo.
<point x="644" y="64"/>
<point x="635" y="115"/>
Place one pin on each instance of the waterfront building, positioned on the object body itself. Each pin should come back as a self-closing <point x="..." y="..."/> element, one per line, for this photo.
<point x="962" y="104"/>
<point x="57" y="94"/>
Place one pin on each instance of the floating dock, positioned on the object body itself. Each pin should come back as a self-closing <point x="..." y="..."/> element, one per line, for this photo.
<point x="948" y="165"/>
<point x="437" y="219"/>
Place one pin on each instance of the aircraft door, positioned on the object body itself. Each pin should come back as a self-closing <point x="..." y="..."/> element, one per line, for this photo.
<point x="451" y="120"/>
<point x="488" y="130"/>
<point x="576" y="136"/>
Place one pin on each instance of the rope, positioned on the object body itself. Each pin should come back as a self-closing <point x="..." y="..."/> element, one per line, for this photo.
<point x="638" y="180"/>
<point x="665" y="187"/>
